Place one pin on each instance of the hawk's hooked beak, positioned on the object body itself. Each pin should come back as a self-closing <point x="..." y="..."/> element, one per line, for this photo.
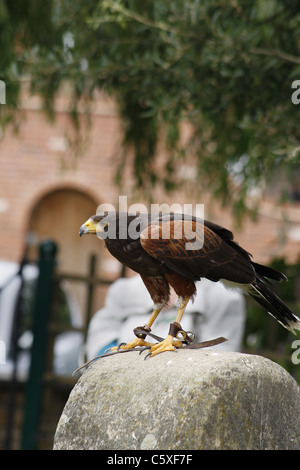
<point x="88" y="227"/>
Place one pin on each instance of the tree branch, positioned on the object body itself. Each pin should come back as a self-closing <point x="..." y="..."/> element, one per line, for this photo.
<point x="275" y="52"/>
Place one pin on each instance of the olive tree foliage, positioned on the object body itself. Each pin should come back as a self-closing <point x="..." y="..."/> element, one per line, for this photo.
<point x="225" y="67"/>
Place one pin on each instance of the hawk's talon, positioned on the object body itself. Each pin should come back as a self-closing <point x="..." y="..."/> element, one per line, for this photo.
<point x="168" y="344"/>
<point x="147" y="355"/>
<point x="133" y="344"/>
<point x="144" y="349"/>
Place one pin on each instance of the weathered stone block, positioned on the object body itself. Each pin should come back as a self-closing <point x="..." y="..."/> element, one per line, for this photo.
<point x="192" y="399"/>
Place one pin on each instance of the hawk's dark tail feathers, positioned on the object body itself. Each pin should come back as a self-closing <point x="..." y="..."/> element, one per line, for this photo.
<point x="274" y="305"/>
<point x="267" y="272"/>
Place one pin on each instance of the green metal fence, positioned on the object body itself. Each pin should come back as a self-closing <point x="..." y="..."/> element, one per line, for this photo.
<point x="41" y="377"/>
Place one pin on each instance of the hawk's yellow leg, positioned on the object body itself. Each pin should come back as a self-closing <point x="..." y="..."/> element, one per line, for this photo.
<point x="140" y="341"/>
<point x="169" y="343"/>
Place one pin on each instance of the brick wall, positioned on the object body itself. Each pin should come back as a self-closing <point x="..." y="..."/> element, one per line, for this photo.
<point x="37" y="160"/>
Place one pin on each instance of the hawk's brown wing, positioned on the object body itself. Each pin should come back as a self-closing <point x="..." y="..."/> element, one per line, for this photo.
<point x="194" y="250"/>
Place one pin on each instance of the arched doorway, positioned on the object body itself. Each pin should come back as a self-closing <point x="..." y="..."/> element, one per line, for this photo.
<point x="58" y="215"/>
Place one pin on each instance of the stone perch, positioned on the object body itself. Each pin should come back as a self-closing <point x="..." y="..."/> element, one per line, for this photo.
<point x="192" y="399"/>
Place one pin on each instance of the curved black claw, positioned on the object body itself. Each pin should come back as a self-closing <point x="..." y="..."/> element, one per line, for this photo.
<point x="144" y="349"/>
<point x="121" y="344"/>
<point x="147" y="355"/>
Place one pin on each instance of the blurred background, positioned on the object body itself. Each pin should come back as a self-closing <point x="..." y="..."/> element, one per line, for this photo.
<point x="182" y="102"/>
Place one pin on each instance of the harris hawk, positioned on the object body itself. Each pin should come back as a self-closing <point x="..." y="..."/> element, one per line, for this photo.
<point x="176" y="250"/>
